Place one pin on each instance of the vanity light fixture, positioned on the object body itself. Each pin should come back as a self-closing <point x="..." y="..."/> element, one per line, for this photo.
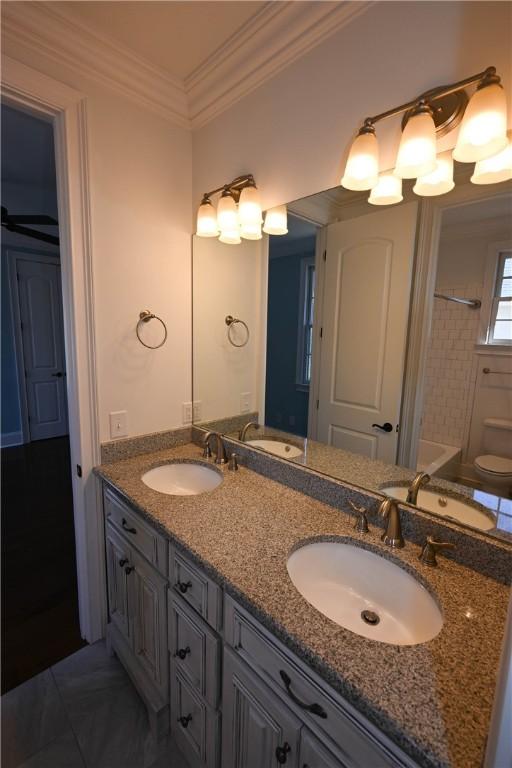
<point x="238" y="213"/>
<point x="387" y="191"/>
<point x="494" y="169"/>
<point x="482" y="137"/>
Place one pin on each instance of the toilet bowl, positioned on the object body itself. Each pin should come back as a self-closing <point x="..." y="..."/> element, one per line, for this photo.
<point x="495" y="472"/>
<point x="494" y="467"/>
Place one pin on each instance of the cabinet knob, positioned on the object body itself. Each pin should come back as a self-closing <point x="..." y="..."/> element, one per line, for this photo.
<point x="281" y="753"/>
<point x="184" y="721"/>
<point x="183" y="586"/>
<point x="129" y="569"/>
<point x="123" y="561"/>
<point x="182" y="653"/>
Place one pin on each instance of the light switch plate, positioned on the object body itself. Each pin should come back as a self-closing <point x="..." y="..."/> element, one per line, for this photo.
<point x="187" y="413"/>
<point x="196" y="410"/>
<point x="245" y="402"/>
<point x="118" y="424"/>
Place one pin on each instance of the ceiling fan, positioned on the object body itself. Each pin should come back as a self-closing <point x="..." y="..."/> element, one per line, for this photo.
<point x="14" y="223"/>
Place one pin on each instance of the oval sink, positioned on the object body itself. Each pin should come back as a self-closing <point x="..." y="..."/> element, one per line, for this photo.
<point x="365" y="593"/>
<point x="285" y="450"/>
<point x="182" y="479"/>
<point x="445" y="506"/>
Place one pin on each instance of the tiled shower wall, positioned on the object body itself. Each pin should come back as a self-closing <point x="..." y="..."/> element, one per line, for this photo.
<point x="451" y="367"/>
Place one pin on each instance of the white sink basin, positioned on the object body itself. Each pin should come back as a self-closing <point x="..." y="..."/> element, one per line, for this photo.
<point x="445" y="506"/>
<point x="276" y="447"/>
<point x="182" y="479"/>
<point x="343" y="581"/>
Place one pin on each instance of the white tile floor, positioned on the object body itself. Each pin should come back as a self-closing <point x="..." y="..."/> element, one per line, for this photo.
<point x="81" y="713"/>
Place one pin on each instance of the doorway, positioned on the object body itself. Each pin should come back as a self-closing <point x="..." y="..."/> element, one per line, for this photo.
<point x="40" y="617"/>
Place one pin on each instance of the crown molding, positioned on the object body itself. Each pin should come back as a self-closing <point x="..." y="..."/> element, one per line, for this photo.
<point x="278" y="34"/>
<point x="51" y="33"/>
<point x="273" y="38"/>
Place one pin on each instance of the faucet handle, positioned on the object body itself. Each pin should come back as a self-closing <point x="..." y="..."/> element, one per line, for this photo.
<point x="431" y="547"/>
<point x="361" y="524"/>
<point x="233" y="462"/>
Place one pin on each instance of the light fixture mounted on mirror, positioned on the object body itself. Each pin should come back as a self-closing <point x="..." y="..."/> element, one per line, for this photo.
<point x="482" y="139"/>
<point x="238" y="213"/>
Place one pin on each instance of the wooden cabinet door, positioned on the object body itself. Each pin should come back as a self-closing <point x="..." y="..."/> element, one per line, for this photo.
<point x="258" y="729"/>
<point x="150" y="619"/>
<point x="118" y="577"/>
<point x="314" y="755"/>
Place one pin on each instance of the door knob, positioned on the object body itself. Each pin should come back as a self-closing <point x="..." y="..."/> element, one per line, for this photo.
<point x="386" y="427"/>
<point x="58" y="375"/>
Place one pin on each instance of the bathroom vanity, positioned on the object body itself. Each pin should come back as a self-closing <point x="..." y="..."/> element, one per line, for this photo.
<point x="228" y="654"/>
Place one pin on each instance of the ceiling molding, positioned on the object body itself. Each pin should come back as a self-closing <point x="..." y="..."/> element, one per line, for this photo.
<point x="53" y="34"/>
<point x="278" y="34"/>
<point x="273" y="38"/>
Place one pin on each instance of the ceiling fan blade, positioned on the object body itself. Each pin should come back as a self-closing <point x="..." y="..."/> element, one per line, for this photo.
<point x="35" y="219"/>
<point x="31" y="233"/>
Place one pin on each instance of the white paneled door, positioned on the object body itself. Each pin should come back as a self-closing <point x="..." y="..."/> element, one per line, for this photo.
<point x="40" y="302"/>
<point x="365" y="312"/>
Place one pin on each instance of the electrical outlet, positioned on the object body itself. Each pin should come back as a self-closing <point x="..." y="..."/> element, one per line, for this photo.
<point x="187" y="413"/>
<point x="118" y="424"/>
<point x="245" y="402"/>
<point x="196" y="410"/>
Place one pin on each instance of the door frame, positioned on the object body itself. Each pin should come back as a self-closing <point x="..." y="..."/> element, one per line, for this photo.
<point x="422" y="306"/>
<point x="13" y="253"/>
<point x="48" y="99"/>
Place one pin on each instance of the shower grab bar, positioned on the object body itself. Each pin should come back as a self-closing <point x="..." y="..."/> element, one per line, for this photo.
<point x="499" y="373"/>
<point x="473" y="303"/>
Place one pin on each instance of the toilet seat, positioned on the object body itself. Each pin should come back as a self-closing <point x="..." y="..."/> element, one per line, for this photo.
<point x="494" y="465"/>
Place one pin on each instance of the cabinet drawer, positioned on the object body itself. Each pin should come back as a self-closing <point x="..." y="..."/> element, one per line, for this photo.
<point x="200" y="592"/>
<point x="140" y="535"/>
<point x="359" y="743"/>
<point x="194" y="648"/>
<point x="194" y="724"/>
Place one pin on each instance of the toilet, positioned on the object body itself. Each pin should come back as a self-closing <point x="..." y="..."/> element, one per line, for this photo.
<point x="494" y="466"/>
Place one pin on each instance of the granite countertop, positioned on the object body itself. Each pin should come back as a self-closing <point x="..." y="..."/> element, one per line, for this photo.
<point x="434" y="699"/>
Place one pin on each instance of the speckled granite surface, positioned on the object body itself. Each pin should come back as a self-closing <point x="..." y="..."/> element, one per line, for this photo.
<point x="434" y="700"/>
<point x="116" y="450"/>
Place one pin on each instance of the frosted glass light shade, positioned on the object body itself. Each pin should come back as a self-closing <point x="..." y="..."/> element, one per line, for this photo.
<point x="439" y="181"/>
<point x="483" y="131"/>
<point x="276" y="221"/>
<point x="387" y="191"/>
<point x="417" y="150"/>
<point x="227" y="220"/>
<point x="494" y="169"/>
<point x="249" y="214"/>
<point x="362" y="168"/>
<point x="206" y="221"/>
<point x="230" y="236"/>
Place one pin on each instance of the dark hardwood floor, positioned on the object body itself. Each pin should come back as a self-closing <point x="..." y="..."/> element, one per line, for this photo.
<point x="39" y="590"/>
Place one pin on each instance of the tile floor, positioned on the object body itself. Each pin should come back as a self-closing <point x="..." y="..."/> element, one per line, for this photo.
<point x="81" y="713"/>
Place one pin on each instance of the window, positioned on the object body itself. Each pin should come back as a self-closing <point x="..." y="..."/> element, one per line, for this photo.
<point x="306" y="312"/>
<point x="500" y="326"/>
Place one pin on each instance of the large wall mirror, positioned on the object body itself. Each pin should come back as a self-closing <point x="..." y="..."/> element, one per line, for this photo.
<point x="370" y="343"/>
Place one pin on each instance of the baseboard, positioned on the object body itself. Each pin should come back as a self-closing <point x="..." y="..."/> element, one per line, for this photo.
<point x="8" y="439"/>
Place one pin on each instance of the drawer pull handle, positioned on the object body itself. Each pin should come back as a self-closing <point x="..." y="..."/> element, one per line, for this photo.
<point x="183" y="586"/>
<point x="315" y="709"/>
<point x="184" y="721"/>
<point x="129" y="569"/>
<point x="126" y="527"/>
<point x="123" y="561"/>
<point x="182" y="653"/>
<point x="281" y="753"/>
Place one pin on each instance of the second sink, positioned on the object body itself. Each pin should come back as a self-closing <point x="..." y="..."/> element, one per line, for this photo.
<point x="278" y="448"/>
<point x="182" y="478"/>
<point x="445" y="506"/>
<point x="365" y="593"/>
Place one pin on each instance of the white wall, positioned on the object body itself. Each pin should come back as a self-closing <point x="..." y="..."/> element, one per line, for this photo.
<point x="228" y="280"/>
<point x="294" y="131"/>
<point x="140" y="188"/>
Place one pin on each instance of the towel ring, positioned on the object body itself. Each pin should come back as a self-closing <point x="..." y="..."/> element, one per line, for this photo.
<point x="144" y="317"/>
<point x="230" y="322"/>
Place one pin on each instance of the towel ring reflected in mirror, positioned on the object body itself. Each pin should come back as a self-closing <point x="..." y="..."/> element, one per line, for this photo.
<point x="231" y="322"/>
<point x="144" y="317"/>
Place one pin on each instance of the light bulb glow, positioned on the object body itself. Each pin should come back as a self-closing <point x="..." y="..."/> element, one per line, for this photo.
<point x="230" y="236"/>
<point x="417" y="150"/>
<point x="276" y="221"/>
<point x="362" y="168"/>
<point x="439" y="181"/>
<point x="206" y="220"/>
<point x="387" y="191"/>
<point x="227" y="219"/>
<point x="483" y="132"/>
<point x="249" y="213"/>
<point x="494" y="169"/>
